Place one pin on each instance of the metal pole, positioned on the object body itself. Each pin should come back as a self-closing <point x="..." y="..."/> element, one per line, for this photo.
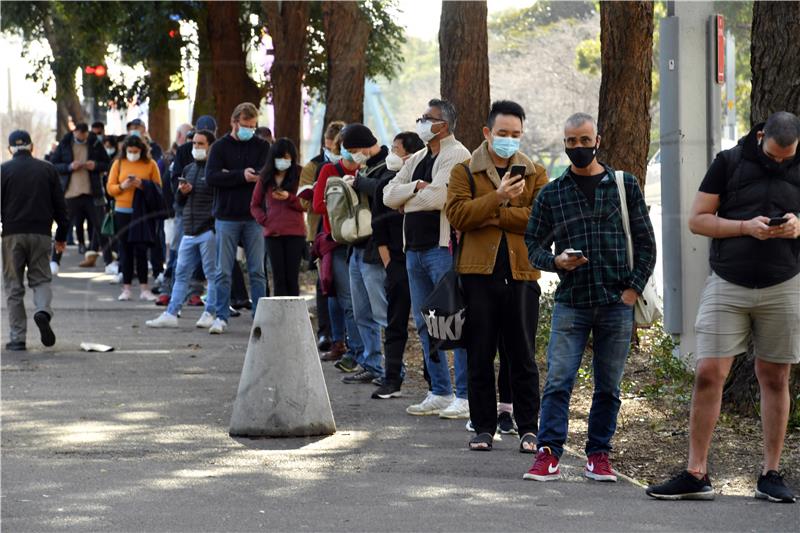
<point x="730" y="86"/>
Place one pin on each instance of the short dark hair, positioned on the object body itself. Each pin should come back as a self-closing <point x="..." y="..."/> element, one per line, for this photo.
<point x="208" y="134"/>
<point x="448" y="110"/>
<point x="410" y="141"/>
<point x="783" y="128"/>
<point x="98" y="124"/>
<point x="81" y="126"/>
<point x="504" y="107"/>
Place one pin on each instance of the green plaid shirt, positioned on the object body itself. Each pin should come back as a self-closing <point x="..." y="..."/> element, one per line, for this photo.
<point x="561" y="215"/>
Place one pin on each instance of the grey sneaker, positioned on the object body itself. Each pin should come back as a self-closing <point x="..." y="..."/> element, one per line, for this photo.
<point x="365" y="376"/>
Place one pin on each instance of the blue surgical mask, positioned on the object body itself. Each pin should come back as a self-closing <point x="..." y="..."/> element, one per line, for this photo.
<point x="347" y="156"/>
<point x="330" y="156"/>
<point x="135" y="133"/>
<point x="245" y="134"/>
<point x="505" y="147"/>
<point x="78" y="141"/>
<point x="282" y="164"/>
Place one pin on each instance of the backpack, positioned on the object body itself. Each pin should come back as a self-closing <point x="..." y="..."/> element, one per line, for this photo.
<point x="349" y="212"/>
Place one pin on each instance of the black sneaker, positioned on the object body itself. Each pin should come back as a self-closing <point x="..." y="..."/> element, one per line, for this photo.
<point x="347" y="364"/>
<point x="505" y="424"/>
<point x="684" y="486"/>
<point x="771" y="487"/>
<point x="42" y="320"/>
<point x="16" y="346"/>
<point x="365" y="376"/>
<point x="387" y="391"/>
<point x="379" y="381"/>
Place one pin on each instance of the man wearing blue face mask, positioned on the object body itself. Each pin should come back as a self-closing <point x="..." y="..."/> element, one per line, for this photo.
<point x="233" y="166"/>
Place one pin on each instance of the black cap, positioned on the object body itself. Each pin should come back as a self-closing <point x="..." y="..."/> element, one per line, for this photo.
<point x="358" y="136"/>
<point x="135" y="122"/>
<point x="19" y="138"/>
<point x="206" y="122"/>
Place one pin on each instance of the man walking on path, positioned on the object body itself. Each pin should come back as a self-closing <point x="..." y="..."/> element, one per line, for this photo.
<point x="32" y="198"/>
<point x="580" y="213"/>
<point x="748" y="204"/>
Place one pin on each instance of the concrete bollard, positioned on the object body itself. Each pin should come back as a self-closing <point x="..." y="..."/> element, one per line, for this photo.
<point x="282" y="390"/>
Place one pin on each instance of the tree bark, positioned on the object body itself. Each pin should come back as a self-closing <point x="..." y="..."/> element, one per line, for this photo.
<point x="346" y="35"/>
<point x="68" y="105"/>
<point x="464" y="62"/>
<point x="232" y="84"/>
<point x="286" y="23"/>
<point x="204" y="92"/>
<point x="775" y="59"/>
<point x="158" y="123"/>
<point x="626" y="44"/>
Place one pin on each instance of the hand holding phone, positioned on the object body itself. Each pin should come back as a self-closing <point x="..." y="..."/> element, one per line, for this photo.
<point x="777" y="221"/>
<point x="517" y="173"/>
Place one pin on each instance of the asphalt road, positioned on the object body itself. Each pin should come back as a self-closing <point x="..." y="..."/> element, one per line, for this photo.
<point x="136" y="440"/>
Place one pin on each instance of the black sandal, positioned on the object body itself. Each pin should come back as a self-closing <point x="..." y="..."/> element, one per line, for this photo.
<point x="527" y="438"/>
<point x="481" y="442"/>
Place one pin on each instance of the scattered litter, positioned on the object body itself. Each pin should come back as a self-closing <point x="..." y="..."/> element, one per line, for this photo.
<point x="95" y="347"/>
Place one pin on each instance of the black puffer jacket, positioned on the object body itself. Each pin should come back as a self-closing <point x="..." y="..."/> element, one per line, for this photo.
<point x="197" y="205"/>
<point x="367" y="181"/>
<point x="61" y="158"/>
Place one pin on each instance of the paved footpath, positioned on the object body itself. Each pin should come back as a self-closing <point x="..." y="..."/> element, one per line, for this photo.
<point x="136" y="440"/>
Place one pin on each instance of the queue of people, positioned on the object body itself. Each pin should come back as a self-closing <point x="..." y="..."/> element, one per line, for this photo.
<point x="388" y="224"/>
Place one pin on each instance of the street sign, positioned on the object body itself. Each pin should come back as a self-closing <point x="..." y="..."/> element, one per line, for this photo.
<point x="720" y="24"/>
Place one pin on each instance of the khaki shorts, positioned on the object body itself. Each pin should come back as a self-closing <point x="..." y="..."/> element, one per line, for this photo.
<point x="730" y="315"/>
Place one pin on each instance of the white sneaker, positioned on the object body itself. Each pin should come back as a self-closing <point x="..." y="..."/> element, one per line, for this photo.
<point x="124" y="296"/>
<point x="206" y="320"/>
<point x="164" y="320"/>
<point x="469" y="427"/>
<point x="218" y="326"/>
<point x="431" y="405"/>
<point x="112" y="268"/>
<point x="458" y="408"/>
<point x="54" y="268"/>
<point x="148" y="296"/>
<point x="116" y="279"/>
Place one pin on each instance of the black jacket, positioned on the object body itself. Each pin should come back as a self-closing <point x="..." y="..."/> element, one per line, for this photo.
<point x="387" y="224"/>
<point x="197" y="217"/>
<point x="32" y="197"/>
<point x="367" y="182"/>
<point x="227" y="160"/>
<point x="62" y="157"/>
<point x="752" y="190"/>
<point x="148" y="208"/>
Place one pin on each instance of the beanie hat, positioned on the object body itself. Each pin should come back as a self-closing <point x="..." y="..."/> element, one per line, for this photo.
<point x="357" y="136"/>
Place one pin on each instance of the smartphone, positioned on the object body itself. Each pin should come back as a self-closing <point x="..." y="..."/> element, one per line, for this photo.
<point x="574" y="253"/>
<point x="181" y="179"/>
<point x="777" y="221"/>
<point x="131" y="177"/>
<point x="517" y="173"/>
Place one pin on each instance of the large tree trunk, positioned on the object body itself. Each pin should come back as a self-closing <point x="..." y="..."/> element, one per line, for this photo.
<point x="775" y="59"/>
<point x="204" y="92"/>
<point x="346" y="35"/>
<point x="232" y="84"/>
<point x="626" y="44"/>
<point x="158" y="124"/>
<point x="286" y="22"/>
<point x="464" y="66"/>
<point x="68" y="105"/>
<point x="775" y="64"/>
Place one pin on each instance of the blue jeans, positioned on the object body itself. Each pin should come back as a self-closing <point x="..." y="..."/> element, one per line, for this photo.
<point x="229" y="234"/>
<point x="369" y="308"/>
<point x="337" y="319"/>
<point x="341" y="282"/>
<point x="611" y="327"/>
<point x="425" y="269"/>
<point x="194" y="248"/>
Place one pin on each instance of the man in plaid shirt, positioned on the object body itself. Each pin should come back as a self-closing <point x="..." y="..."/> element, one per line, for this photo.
<point x="580" y="213"/>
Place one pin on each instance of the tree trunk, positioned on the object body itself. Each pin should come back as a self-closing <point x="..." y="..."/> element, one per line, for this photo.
<point x="286" y="22"/>
<point x="204" y="92"/>
<point x="464" y="66"/>
<point x="231" y="82"/>
<point x="68" y="105"/>
<point x="626" y="44"/>
<point x="346" y="35"/>
<point x="775" y="65"/>
<point x="158" y="123"/>
<point x="775" y="59"/>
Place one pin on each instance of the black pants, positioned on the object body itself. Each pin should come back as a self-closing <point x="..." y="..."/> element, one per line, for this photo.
<point x="285" y="254"/>
<point x="82" y="208"/>
<point x="158" y="250"/>
<point x="507" y="312"/>
<point x="130" y="252"/>
<point x="503" y="376"/>
<point x="398" y="297"/>
<point x="238" y="287"/>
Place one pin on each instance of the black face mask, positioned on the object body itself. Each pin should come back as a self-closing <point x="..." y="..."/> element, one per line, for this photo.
<point x="581" y="157"/>
<point x="773" y="166"/>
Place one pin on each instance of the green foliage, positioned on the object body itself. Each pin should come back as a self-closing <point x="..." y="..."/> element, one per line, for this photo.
<point x="514" y="25"/>
<point x="587" y="57"/>
<point x="670" y="378"/>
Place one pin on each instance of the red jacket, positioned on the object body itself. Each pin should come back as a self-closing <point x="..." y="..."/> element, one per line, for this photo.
<point x="318" y="203"/>
<point x="281" y="218"/>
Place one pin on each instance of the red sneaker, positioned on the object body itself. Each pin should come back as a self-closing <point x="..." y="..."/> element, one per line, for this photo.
<point x="195" y="301"/>
<point x="599" y="468"/>
<point x="162" y="300"/>
<point x="545" y="467"/>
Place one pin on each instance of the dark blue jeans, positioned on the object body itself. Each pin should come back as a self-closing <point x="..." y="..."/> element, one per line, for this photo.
<point x="611" y="327"/>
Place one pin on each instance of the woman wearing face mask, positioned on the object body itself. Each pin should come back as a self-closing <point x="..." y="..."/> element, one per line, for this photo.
<point x="127" y="175"/>
<point x="277" y="208"/>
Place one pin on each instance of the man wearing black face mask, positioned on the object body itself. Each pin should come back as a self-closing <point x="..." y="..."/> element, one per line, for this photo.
<point x="748" y="204"/>
<point x="580" y="213"/>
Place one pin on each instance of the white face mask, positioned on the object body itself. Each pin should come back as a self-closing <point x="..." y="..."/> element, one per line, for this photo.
<point x="134" y="156"/>
<point x="111" y="151"/>
<point x="282" y="164"/>
<point x="359" y="158"/>
<point x="425" y="130"/>
<point x="199" y="154"/>
<point x="394" y="162"/>
<point x="21" y="148"/>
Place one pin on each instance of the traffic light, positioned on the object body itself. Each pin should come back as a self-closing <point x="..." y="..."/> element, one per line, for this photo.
<point x="97" y="70"/>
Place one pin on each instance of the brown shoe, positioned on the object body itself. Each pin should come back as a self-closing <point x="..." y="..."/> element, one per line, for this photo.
<point x="90" y="260"/>
<point x="338" y="349"/>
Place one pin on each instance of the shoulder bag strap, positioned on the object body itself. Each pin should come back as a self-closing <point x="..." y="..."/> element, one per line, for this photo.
<point x="619" y="177"/>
